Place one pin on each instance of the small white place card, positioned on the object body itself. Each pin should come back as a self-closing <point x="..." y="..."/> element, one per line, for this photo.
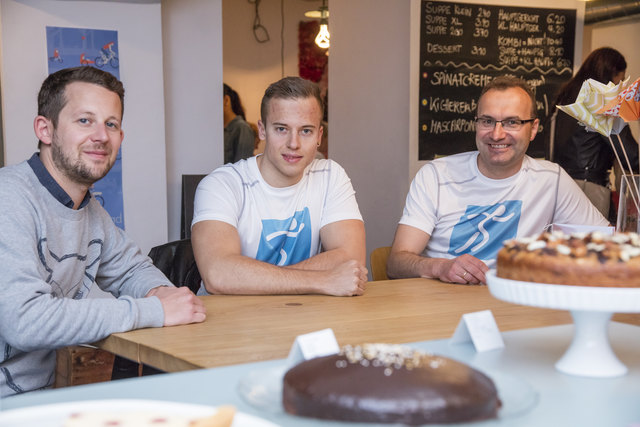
<point x="314" y="344"/>
<point x="481" y="329"/>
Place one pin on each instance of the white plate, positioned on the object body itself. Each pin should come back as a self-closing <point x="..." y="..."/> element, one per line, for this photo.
<point x="565" y="297"/>
<point x="263" y="390"/>
<point x="54" y="415"/>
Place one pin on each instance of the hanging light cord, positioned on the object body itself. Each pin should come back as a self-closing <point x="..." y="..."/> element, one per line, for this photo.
<point x="260" y="33"/>
<point x="282" y="38"/>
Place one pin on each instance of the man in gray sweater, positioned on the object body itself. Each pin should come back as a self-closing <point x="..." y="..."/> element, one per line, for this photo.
<point x="56" y="241"/>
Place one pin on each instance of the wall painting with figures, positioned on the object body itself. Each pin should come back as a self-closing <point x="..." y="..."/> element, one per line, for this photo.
<point x="73" y="47"/>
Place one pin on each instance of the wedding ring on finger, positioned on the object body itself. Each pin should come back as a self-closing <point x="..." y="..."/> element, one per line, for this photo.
<point x="464" y="275"/>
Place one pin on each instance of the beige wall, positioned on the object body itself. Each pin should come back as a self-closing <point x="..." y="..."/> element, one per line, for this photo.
<point x="368" y="83"/>
<point x="248" y="66"/>
<point x="369" y="107"/>
<point x="192" y="48"/>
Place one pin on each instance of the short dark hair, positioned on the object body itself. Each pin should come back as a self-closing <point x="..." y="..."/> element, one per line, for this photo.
<point x="508" y="82"/>
<point x="290" y="88"/>
<point x="52" y="99"/>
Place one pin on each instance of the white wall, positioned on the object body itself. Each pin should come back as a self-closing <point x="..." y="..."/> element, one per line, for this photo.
<point x="192" y="36"/>
<point x="24" y="67"/>
<point x="369" y="107"/>
<point x="249" y="66"/>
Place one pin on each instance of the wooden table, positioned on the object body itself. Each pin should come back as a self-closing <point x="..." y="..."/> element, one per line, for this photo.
<point x="242" y="329"/>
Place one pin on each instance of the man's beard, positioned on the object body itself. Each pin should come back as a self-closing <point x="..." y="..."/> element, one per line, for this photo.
<point x="75" y="170"/>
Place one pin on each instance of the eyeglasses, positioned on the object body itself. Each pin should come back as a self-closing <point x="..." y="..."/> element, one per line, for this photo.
<point x="489" y="123"/>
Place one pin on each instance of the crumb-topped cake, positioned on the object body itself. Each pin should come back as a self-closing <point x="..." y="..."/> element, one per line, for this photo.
<point x="581" y="259"/>
<point x="382" y="383"/>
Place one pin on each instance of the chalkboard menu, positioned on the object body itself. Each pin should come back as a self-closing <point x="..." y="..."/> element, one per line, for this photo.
<point x="464" y="46"/>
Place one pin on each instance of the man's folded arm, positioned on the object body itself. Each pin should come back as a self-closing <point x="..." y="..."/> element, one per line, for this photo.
<point x="341" y="241"/>
<point x="225" y="270"/>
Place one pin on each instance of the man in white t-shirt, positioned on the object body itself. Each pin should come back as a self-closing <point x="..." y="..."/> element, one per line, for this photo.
<point x="460" y="209"/>
<point x="281" y="222"/>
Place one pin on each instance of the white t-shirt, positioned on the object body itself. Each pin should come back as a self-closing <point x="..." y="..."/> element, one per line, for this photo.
<point x="280" y="226"/>
<point x="465" y="212"/>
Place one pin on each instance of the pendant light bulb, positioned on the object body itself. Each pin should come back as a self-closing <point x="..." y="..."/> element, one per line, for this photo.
<point x="322" y="39"/>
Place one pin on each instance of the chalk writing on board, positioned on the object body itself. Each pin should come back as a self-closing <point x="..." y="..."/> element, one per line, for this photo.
<point x="464" y="46"/>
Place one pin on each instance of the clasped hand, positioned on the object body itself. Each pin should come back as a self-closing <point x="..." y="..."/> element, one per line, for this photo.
<point x="465" y="269"/>
<point x="348" y="279"/>
<point x="180" y="305"/>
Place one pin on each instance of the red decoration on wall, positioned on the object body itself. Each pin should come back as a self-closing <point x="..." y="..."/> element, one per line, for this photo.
<point x="312" y="59"/>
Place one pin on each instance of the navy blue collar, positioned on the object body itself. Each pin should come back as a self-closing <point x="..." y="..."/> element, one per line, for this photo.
<point x="51" y="185"/>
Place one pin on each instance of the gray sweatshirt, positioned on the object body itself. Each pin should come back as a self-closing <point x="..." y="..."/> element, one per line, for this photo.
<point x="50" y="256"/>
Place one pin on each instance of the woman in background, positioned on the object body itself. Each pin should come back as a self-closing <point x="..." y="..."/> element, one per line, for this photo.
<point x="239" y="137"/>
<point x="587" y="156"/>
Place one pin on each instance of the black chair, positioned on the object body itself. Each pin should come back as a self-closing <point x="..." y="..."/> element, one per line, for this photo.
<point x="176" y="261"/>
<point x="189" y="186"/>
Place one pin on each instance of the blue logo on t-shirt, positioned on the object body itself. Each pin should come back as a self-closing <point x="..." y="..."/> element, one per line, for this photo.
<point x="285" y="241"/>
<point x="482" y="230"/>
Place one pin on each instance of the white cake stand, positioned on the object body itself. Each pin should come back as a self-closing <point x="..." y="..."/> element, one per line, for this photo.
<point x="590" y="354"/>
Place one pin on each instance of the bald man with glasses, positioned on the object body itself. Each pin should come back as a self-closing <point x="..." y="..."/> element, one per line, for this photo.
<point x="461" y="208"/>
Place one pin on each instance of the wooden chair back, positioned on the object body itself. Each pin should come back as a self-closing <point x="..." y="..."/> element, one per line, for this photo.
<point x="378" y="260"/>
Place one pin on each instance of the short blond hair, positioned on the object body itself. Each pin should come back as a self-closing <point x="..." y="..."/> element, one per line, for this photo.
<point x="290" y="88"/>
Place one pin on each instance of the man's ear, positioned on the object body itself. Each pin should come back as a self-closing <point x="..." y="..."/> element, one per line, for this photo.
<point x="320" y="133"/>
<point x="43" y="128"/>
<point x="262" y="132"/>
<point x="534" y="129"/>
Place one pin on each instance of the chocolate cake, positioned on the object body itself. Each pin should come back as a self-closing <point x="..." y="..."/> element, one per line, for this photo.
<point x="581" y="259"/>
<point x="381" y="383"/>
